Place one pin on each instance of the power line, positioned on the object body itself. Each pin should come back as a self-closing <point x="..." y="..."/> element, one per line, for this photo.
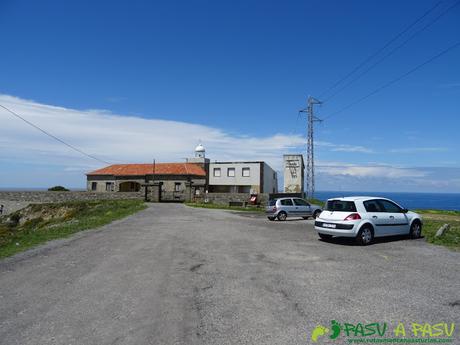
<point x="53" y="136"/>
<point x="392" y="51"/>
<point x="365" y="61"/>
<point x="384" y="86"/>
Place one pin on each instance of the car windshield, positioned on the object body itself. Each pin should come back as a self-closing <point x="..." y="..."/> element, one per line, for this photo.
<point x="340" y="205"/>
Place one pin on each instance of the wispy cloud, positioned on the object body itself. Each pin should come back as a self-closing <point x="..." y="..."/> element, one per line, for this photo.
<point x="419" y="149"/>
<point x="115" y="99"/>
<point x="454" y="85"/>
<point x="343" y="147"/>
<point x="385" y="177"/>
<point x="384" y="171"/>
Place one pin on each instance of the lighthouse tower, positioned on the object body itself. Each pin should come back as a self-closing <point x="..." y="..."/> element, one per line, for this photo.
<point x="200" y="152"/>
<point x="200" y="156"/>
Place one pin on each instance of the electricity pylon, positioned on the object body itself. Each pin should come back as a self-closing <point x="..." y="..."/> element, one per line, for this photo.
<point x="311" y="119"/>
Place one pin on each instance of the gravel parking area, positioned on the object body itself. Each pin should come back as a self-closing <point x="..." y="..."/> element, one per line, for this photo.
<point x="172" y="274"/>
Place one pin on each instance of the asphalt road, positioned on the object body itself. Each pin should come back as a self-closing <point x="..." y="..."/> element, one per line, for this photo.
<point x="178" y="275"/>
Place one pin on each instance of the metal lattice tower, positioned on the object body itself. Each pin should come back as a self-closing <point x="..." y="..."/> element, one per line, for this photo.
<point x="311" y="119"/>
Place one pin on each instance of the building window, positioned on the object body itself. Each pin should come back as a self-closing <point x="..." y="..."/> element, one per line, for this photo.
<point x="246" y="172"/>
<point x="274" y="175"/>
<point x="216" y="172"/>
<point x="93" y="185"/>
<point x="231" y="172"/>
<point x="177" y="186"/>
<point x="109" y="186"/>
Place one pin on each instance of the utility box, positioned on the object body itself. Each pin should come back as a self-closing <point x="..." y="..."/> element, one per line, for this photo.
<point x="294" y="173"/>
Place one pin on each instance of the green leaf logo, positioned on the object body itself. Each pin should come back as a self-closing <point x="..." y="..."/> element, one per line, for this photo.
<point x="318" y="331"/>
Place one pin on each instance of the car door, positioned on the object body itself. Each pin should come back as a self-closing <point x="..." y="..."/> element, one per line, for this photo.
<point x="398" y="222"/>
<point x="302" y="208"/>
<point x="288" y="206"/>
<point x="376" y="214"/>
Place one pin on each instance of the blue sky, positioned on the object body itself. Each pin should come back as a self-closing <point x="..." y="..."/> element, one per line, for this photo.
<point x="239" y="70"/>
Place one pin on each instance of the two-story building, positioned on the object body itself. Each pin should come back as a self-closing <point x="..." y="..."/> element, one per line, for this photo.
<point x="252" y="177"/>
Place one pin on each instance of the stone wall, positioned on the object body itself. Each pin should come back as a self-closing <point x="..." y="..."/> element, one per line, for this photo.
<point x="13" y="201"/>
<point x="287" y="195"/>
<point x="227" y="198"/>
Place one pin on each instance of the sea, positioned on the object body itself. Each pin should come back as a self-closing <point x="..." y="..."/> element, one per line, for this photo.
<point x="423" y="201"/>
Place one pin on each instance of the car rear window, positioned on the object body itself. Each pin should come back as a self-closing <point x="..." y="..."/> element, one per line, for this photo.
<point x="340" y="205"/>
<point x="271" y="202"/>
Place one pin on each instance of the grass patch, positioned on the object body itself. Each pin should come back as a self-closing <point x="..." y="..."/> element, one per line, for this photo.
<point x="316" y="202"/>
<point x="443" y="212"/>
<point x="434" y="219"/>
<point x="223" y="207"/>
<point x="39" y="223"/>
<point x="261" y="208"/>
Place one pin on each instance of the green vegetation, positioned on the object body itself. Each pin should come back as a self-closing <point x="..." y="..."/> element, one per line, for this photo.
<point x="38" y="223"/>
<point x="434" y="219"/>
<point x="223" y="207"/>
<point x="316" y="202"/>
<point x="58" y="189"/>
<point x="249" y="208"/>
<point x="439" y="212"/>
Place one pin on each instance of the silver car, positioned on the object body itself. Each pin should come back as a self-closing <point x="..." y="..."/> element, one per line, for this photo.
<point x="291" y="207"/>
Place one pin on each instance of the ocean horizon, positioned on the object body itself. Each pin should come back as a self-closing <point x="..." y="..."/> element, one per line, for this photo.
<point x="410" y="200"/>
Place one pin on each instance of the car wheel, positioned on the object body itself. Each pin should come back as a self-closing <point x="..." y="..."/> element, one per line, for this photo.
<point x="365" y="236"/>
<point x="415" y="230"/>
<point x="282" y="216"/>
<point x="316" y="214"/>
<point x="271" y="218"/>
<point x="324" y="236"/>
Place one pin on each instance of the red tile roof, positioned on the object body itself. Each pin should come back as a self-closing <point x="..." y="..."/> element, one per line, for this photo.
<point x="146" y="169"/>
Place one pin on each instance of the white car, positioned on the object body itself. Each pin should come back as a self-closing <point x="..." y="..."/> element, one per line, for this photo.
<point x="366" y="218"/>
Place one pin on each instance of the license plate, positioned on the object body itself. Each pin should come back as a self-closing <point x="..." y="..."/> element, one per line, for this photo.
<point x="332" y="226"/>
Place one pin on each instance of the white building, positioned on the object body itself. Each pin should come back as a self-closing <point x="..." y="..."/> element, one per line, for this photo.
<point x="253" y="177"/>
<point x="242" y="177"/>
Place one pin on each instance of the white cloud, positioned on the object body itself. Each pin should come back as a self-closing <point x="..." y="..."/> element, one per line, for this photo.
<point x="128" y="139"/>
<point x="116" y="138"/>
